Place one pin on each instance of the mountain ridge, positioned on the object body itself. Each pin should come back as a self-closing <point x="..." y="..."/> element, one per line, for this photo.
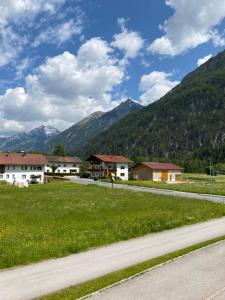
<point x="80" y="133"/>
<point x="183" y="124"/>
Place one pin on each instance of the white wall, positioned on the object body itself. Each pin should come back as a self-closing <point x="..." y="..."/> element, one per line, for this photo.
<point x="15" y="173"/>
<point x="63" y="168"/>
<point x="157" y="176"/>
<point x="122" y="169"/>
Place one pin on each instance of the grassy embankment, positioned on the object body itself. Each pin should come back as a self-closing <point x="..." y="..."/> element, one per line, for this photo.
<point x="46" y="221"/>
<point x="194" y="183"/>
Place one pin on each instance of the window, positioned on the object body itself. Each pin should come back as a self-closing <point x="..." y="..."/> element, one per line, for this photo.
<point x="13" y="176"/>
<point x="75" y="166"/>
<point x="64" y="165"/>
<point x="7" y="176"/>
<point x="24" y="168"/>
<point x="122" y="167"/>
<point x="64" y="171"/>
<point x="7" y="168"/>
<point x="13" y="167"/>
<point x="24" y="176"/>
<point x="122" y="174"/>
<point x="1" y="176"/>
<point x="39" y="168"/>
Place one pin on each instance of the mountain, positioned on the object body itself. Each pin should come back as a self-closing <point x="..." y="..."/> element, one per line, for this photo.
<point x="82" y="132"/>
<point x="187" y="123"/>
<point x="33" y="140"/>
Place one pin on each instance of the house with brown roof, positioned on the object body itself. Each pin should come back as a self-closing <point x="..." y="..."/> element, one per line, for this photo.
<point x="167" y="172"/>
<point x="102" y="165"/>
<point x="22" y="167"/>
<point x="63" y="164"/>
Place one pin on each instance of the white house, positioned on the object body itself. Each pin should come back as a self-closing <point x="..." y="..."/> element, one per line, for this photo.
<point x="22" y="167"/>
<point x="167" y="172"/>
<point x="63" y="164"/>
<point x="104" y="165"/>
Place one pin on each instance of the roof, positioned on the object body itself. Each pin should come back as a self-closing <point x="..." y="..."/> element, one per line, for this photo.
<point x="111" y="158"/>
<point x="63" y="159"/>
<point x="22" y="159"/>
<point x="160" y="166"/>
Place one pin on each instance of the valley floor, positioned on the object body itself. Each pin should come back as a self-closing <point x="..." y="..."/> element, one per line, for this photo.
<point x="55" y="220"/>
<point x="52" y="275"/>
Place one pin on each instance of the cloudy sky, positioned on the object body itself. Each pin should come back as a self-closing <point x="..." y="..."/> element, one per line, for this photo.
<point x="61" y="60"/>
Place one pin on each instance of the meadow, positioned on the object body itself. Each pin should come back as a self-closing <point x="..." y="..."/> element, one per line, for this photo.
<point x="54" y="220"/>
<point x="194" y="183"/>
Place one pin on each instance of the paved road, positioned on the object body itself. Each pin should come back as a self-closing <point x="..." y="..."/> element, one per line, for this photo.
<point x="199" y="275"/>
<point x="214" y="198"/>
<point x="42" y="278"/>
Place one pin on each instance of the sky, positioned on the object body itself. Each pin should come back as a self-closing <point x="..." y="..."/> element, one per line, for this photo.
<point x="61" y="60"/>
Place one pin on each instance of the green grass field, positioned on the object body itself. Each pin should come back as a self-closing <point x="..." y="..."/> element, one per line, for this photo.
<point x="45" y="221"/>
<point x="195" y="183"/>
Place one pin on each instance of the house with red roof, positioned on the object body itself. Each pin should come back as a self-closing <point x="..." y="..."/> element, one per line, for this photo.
<point x="63" y="164"/>
<point x="167" y="172"/>
<point x="22" y="167"/>
<point x="102" y="165"/>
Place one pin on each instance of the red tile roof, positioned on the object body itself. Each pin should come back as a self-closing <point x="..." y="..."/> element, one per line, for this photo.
<point x="63" y="159"/>
<point x="111" y="158"/>
<point x="22" y="159"/>
<point x="161" y="166"/>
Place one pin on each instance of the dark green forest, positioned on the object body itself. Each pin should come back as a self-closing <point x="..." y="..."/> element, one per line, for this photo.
<point x="187" y="125"/>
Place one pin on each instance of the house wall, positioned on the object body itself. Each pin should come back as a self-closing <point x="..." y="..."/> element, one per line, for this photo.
<point x="122" y="171"/>
<point x="16" y="173"/>
<point x="142" y="173"/>
<point x="157" y="175"/>
<point x="172" y="175"/>
<point x="63" y="168"/>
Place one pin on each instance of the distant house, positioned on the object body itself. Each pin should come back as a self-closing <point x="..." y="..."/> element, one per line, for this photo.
<point x="105" y="165"/>
<point x="167" y="172"/>
<point x="63" y="164"/>
<point x="22" y="167"/>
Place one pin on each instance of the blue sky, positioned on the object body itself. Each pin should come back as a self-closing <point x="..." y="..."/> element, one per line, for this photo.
<point x="61" y="60"/>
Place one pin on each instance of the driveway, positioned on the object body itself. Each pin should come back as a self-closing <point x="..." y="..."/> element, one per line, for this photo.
<point x="48" y="276"/>
<point x="199" y="275"/>
<point x="213" y="198"/>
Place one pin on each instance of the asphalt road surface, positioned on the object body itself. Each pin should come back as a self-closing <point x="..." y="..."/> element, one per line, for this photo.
<point x="213" y="198"/>
<point x="196" y="276"/>
<point x="48" y="276"/>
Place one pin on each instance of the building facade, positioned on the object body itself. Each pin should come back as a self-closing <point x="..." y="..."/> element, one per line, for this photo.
<point x="22" y="167"/>
<point x="102" y="166"/>
<point x="63" y="164"/>
<point x="166" y="172"/>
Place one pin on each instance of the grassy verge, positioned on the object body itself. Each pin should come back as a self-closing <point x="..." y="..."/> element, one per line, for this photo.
<point x="55" y="220"/>
<point x="194" y="183"/>
<point x="100" y="283"/>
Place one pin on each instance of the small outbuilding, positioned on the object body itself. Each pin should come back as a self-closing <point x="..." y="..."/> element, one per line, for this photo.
<point x="167" y="172"/>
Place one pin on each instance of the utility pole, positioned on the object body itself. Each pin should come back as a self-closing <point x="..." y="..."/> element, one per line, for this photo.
<point x="210" y="170"/>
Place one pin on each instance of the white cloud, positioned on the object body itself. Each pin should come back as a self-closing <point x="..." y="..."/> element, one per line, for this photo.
<point x="203" y="59"/>
<point x="12" y="10"/>
<point x="193" y="23"/>
<point x="130" y="42"/>
<point x="60" y="33"/>
<point x="65" y="88"/>
<point x="17" y="12"/>
<point x="155" y="85"/>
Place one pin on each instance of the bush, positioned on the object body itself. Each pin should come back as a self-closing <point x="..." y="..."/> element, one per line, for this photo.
<point x="84" y="175"/>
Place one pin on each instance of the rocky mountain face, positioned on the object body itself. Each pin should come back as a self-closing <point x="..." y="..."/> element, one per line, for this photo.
<point x="82" y="132"/>
<point x="187" y="123"/>
<point x="33" y="140"/>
